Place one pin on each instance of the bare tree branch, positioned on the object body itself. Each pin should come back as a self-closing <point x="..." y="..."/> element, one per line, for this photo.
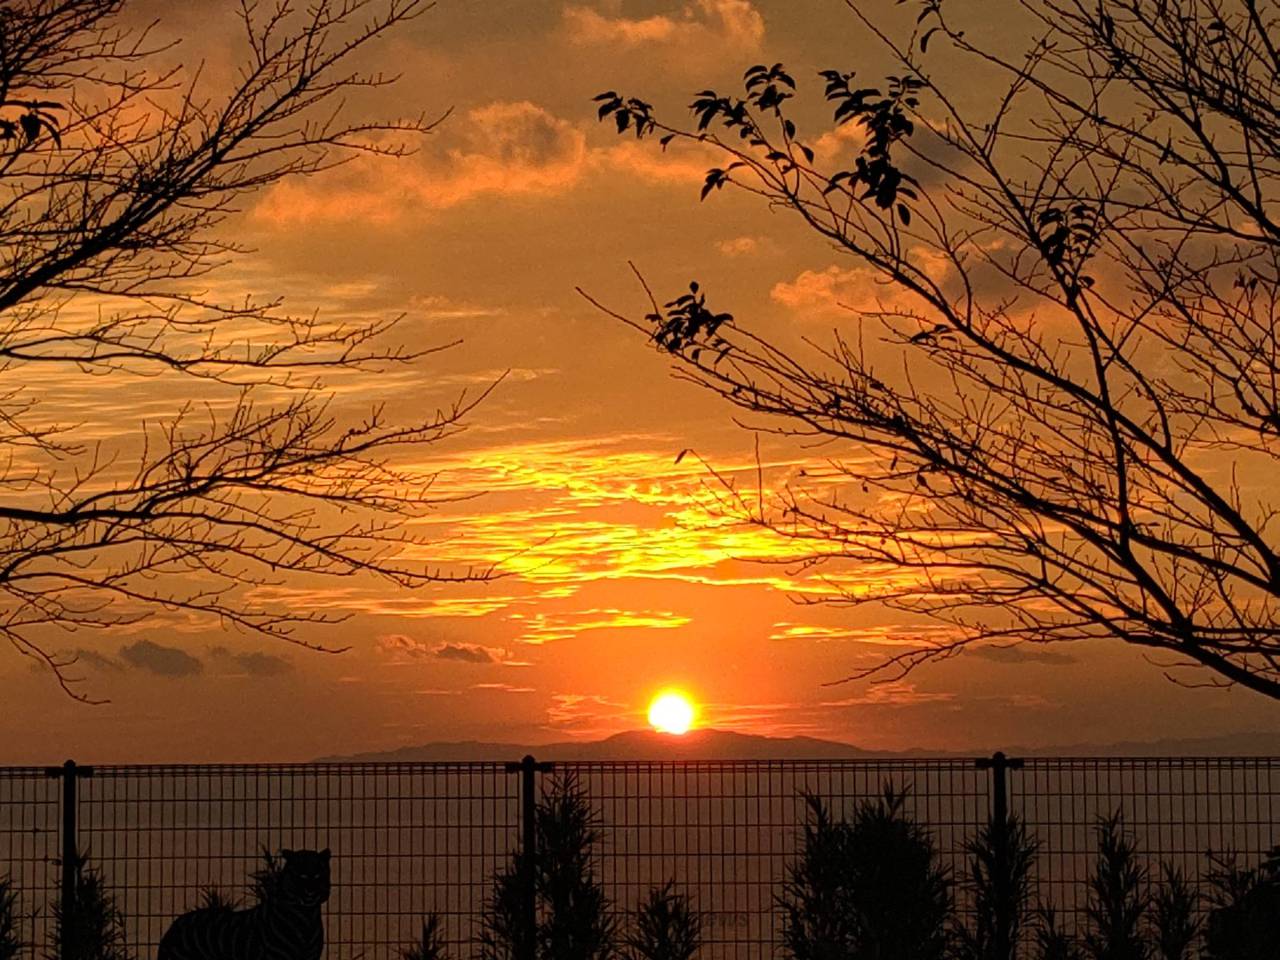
<point x="1064" y="423"/>
<point x="116" y="174"/>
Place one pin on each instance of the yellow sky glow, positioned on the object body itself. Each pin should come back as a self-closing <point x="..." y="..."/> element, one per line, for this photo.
<point x="617" y="574"/>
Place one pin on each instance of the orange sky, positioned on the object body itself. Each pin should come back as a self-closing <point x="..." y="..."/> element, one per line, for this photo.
<point x="617" y="580"/>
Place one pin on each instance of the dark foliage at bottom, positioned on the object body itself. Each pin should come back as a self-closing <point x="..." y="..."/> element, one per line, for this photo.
<point x="1001" y="869"/>
<point x="1174" y="925"/>
<point x="430" y="945"/>
<point x="666" y="927"/>
<point x="1244" y="922"/>
<point x="90" y="926"/>
<point x="10" y="907"/>
<point x="1052" y="941"/>
<point x="871" y="888"/>
<point x="574" y="919"/>
<point x="1118" y="897"/>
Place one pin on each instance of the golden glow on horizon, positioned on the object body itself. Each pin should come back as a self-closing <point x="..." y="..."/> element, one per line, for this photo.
<point x="671" y="712"/>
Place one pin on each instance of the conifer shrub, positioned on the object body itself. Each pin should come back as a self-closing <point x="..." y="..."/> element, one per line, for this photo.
<point x="999" y="877"/>
<point x="868" y="888"/>
<point x="574" y="918"/>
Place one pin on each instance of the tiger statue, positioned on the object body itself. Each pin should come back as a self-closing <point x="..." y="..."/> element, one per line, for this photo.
<point x="284" y="925"/>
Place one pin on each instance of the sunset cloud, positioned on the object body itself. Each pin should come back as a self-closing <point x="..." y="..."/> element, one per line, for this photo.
<point x="825" y="288"/>
<point x="252" y="663"/>
<point x="742" y="246"/>
<point x="502" y="688"/>
<point x="467" y="653"/>
<point x="880" y="635"/>
<point x="92" y="658"/>
<point x="894" y="694"/>
<point x="509" y="148"/>
<point x="396" y="644"/>
<point x="587" y="714"/>
<point x="161" y="660"/>
<point x="838" y="290"/>
<point x="539" y="628"/>
<point x="399" y="646"/>
<point x="681" y="164"/>
<point x="503" y="148"/>
<point x="708" y="24"/>
<point x="1020" y="653"/>
<point x="589" y="26"/>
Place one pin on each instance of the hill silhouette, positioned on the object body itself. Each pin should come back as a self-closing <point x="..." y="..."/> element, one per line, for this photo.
<point x="704" y="744"/>
<point x="712" y="744"/>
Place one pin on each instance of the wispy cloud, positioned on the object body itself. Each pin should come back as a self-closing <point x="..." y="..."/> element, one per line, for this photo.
<point x="743" y="246"/>
<point x="879" y="635"/>
<point x="895" y="694"/>
<point x="251" y="663"/>
<point x="400" y="647"/>
<point x="100" y="661"/>
<point x="706" y="25"/>
<point x="505" y="148"/>
<point x="588" y="714"/>
<point x="539" y="628"/>
<point x="161" y="660"/>
<point x="1020" y="653"/>
<point x="467" y="653"/>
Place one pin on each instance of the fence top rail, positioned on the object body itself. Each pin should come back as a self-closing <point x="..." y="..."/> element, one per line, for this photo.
<point x="312" y="768"/>
<point x="780" y="763"/>
<point x="1150" y="761"/>
<point x="24" y="773"/>
<point x="494" y="767"/>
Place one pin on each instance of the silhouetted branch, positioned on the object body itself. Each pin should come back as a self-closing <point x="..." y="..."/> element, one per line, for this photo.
<point x="1053" y="411"/>
<point x="117" y="179"/>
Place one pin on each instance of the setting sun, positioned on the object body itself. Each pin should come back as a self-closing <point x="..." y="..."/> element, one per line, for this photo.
<point x="671" y="712"/>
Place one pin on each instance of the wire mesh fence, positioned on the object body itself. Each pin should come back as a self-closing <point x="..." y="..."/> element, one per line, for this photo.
<point x="411" y="839"/>
<point x="30" y="811"/>
<point x="1183" y="813"/>
<point x="408" y="840"/>
<point x="725" y="832"/>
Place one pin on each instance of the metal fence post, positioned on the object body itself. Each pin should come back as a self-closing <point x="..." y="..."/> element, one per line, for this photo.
<point x="70" y="774"/>
<point x="999" y="765"/>
<point x="529" y="768"/>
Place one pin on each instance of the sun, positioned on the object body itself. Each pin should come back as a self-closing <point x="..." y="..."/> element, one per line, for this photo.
<point x="671" y="712"/>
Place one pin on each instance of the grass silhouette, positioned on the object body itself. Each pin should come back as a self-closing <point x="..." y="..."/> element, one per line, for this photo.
<point x="666" y="927"/>
<point x="11" y="944"/>
<point x="430" y="945"/>
<point x="90" y="926"/>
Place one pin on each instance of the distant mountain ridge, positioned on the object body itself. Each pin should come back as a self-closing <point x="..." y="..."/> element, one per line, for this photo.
<point x="706" y="744"/>
<point x="712" y="744"/>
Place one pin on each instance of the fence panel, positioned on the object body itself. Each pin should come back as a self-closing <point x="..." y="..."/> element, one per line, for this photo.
<point x="408" y="839"/>
<point x="725" y="832"/>
<point x="1180" y="811"/>
<point x="30" y="805"/>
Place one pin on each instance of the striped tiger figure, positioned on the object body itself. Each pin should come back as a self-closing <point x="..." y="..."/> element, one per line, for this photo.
<point x="284" y="925"/>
